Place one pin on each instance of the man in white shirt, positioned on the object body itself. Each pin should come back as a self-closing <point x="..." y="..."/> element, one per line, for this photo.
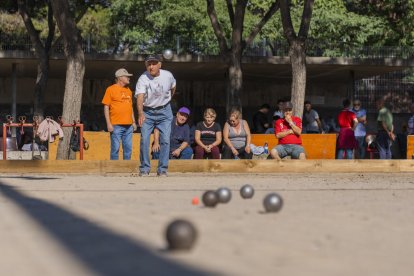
<point x="154" y="91"/>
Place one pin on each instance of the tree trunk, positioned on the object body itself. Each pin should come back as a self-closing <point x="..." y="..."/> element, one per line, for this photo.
<point x="75" y="70"/>
<point x="41" y="84"/>
<point x="235" y="83"/>
<point x="298" y="61"/>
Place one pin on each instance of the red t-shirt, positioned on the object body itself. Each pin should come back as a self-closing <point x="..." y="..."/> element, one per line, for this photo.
<point x="346" y="118"/>
<point x="282" y="125"/>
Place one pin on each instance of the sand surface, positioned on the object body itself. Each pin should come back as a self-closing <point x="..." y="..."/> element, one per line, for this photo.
<point x="331" y="224"/>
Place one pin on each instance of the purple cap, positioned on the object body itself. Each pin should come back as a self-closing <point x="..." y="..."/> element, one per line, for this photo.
<point x="184" y="110"/>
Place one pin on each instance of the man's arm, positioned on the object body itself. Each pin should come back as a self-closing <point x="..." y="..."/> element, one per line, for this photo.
<point x="109" y="125"/>
<point x="140" y="108"/>
<point x="173" y="91"/>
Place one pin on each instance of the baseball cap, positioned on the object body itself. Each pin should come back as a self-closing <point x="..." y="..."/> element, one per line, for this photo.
<point x="184" y="110"/>
<point x="122" y="72"/>
<point x="288" y="105"/>
<point x="152" y="57"/>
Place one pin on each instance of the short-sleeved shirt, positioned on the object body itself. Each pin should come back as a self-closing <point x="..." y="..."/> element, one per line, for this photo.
<point x="156" y="90"/>
<point x="119" y="100"/>
<point x="360" y="129"/>
<point x="282" y="125"/>
<point x="346" y="118"/>
<point x="208" y="134"/>
<point x="385" y="116"/>
<point x="311" y="117"/>
<point x="179" y="135"/>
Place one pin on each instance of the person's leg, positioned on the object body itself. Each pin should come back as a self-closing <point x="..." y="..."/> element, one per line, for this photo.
<point x="164" y="119"/>
<point x="146" y="129"/>
<point x="297" y="152"/>
<point x="227" y="153"/>
<point x="199" y="152"/>
<point x="115" y="142"/>
<point x="349" y="153"/>
<point x="186" y="153"/>
<point x="278" y="152"/>
<point x="340" y="154"/>
<point x="155" y="155"/>
<point x="127" y="142"/>
<point x="361" y="147"/>
<point x="383" y="145"/>
<point x="215" y="152"/>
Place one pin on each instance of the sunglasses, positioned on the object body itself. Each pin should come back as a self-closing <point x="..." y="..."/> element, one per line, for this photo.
<point x="357" y="104"/>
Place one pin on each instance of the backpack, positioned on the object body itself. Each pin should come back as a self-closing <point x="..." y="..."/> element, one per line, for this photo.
<point x="75" y="141"/>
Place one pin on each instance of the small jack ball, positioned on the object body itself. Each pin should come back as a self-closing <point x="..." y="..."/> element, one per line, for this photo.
<point x="247" y="191"/>
<point x="224" y="195"/>
<point x="181" y="235"/>
<point x="210" y="199"/>
<point x="273" y="202"/>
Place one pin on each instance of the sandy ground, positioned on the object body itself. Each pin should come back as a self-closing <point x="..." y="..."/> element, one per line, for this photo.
<point x="331" y="224"/>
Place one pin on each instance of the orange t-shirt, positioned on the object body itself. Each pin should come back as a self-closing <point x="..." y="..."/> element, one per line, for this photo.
<point x="119" y="100"/>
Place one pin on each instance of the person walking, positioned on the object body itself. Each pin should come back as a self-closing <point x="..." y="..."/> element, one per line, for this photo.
<point x="119" y="115"/>
<point x="154" y="90"/>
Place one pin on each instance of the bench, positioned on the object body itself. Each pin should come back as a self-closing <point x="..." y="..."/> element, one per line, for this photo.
<point x="317" y="146"/>
<point x="410" y="147"/>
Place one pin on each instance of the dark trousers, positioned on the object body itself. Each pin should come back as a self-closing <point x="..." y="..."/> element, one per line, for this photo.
<point x="228" y="154"/>
<point x="384" y="145"/>
<point x="200" y="153"/>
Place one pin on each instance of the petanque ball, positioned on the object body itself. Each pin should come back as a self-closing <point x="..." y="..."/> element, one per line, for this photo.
<point x="246" y="191"/>
<point x="181" y="235"/>
<point x="168" y="54"/>
<point x="210" y="198"/>
<point x="273" y="202"/>
<point x="224" y="195"/>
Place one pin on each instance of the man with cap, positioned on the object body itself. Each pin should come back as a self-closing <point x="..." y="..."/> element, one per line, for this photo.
<point x="179" y="139"/>
<point x="154" y="91"/>
<point x="288" y="130"/>
<point x="119" y="114"/>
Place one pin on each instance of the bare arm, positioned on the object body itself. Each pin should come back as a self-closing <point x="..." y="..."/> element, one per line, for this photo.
<point x="156" y="144"/>
<point x="173" y="91"/>
<point x="197" y="138"/>
<point x="218" y="139"/>
<point x="248" y="136"/>
<point x="109" y="125"/>
<point x="319" y="125"/>
<point x="226" y="136"/>
<point x="354" y="123"/>
<point x="140" y="108"/>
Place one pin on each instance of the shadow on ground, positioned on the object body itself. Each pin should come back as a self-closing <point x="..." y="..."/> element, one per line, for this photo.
<point x="31" y="177"/>
<point x="101" y="250"/>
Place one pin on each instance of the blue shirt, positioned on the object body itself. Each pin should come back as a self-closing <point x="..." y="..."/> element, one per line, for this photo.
<point x="360" y="129"/>
<point x="179" y="134"/>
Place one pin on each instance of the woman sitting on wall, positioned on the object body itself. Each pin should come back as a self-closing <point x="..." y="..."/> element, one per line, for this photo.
<point x="208" y="136"/>
<point x="237" y="137"/>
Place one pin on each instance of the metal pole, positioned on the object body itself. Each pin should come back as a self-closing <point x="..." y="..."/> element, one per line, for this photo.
<point x="178" y="44"/>
<point x="4" y="142"/>
<point x="81" y="141"/>
<point x="14" y="95"/>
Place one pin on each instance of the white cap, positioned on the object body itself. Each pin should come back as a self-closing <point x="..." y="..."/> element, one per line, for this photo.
<point x="122" y="72"/>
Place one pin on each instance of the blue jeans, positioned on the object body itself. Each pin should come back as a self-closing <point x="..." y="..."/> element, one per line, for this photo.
<point x="361" y="146"/>
<point x="160" y="119"/>
<point x="348" y="152"/>
<point x="384" y="145"/>
<point x="121" y="133"/>
<point x="186" y="153"/>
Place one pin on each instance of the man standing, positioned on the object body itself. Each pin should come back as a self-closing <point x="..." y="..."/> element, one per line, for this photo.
<point x="260" y="121"/>
<point x="385" y="134"/>
<point x="119" y="114"/>
<point x="360" y="132"/>
<point x="154" y="91"/>
<point x="311" y="117"/>
<point x="288" y="130"/>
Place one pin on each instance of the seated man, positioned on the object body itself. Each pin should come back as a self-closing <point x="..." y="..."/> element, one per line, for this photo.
<point x="288" y="130"/>
<point x="179" y="139"/>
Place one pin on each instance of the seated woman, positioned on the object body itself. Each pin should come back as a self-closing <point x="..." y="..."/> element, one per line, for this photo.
<point x="236" y="135"/>
<point x="208" y="136"/>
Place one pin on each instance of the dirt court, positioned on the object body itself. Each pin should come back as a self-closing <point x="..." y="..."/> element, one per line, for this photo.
<point x="331" y="224"/>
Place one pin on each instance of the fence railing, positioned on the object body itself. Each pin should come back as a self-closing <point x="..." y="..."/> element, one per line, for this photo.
<point x="263" y="48"/>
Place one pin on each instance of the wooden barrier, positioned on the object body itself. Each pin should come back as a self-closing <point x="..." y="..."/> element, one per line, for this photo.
<point x="410" y="147"/>
<point x="317" y="146"/>
<point x="207" y="166"/>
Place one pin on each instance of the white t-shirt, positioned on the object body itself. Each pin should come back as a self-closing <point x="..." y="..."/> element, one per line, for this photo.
<point x="157" y="91"/>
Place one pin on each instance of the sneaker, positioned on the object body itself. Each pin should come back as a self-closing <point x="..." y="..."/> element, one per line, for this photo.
<point x="162" y="174"/>
<point x="143" y="174"/>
